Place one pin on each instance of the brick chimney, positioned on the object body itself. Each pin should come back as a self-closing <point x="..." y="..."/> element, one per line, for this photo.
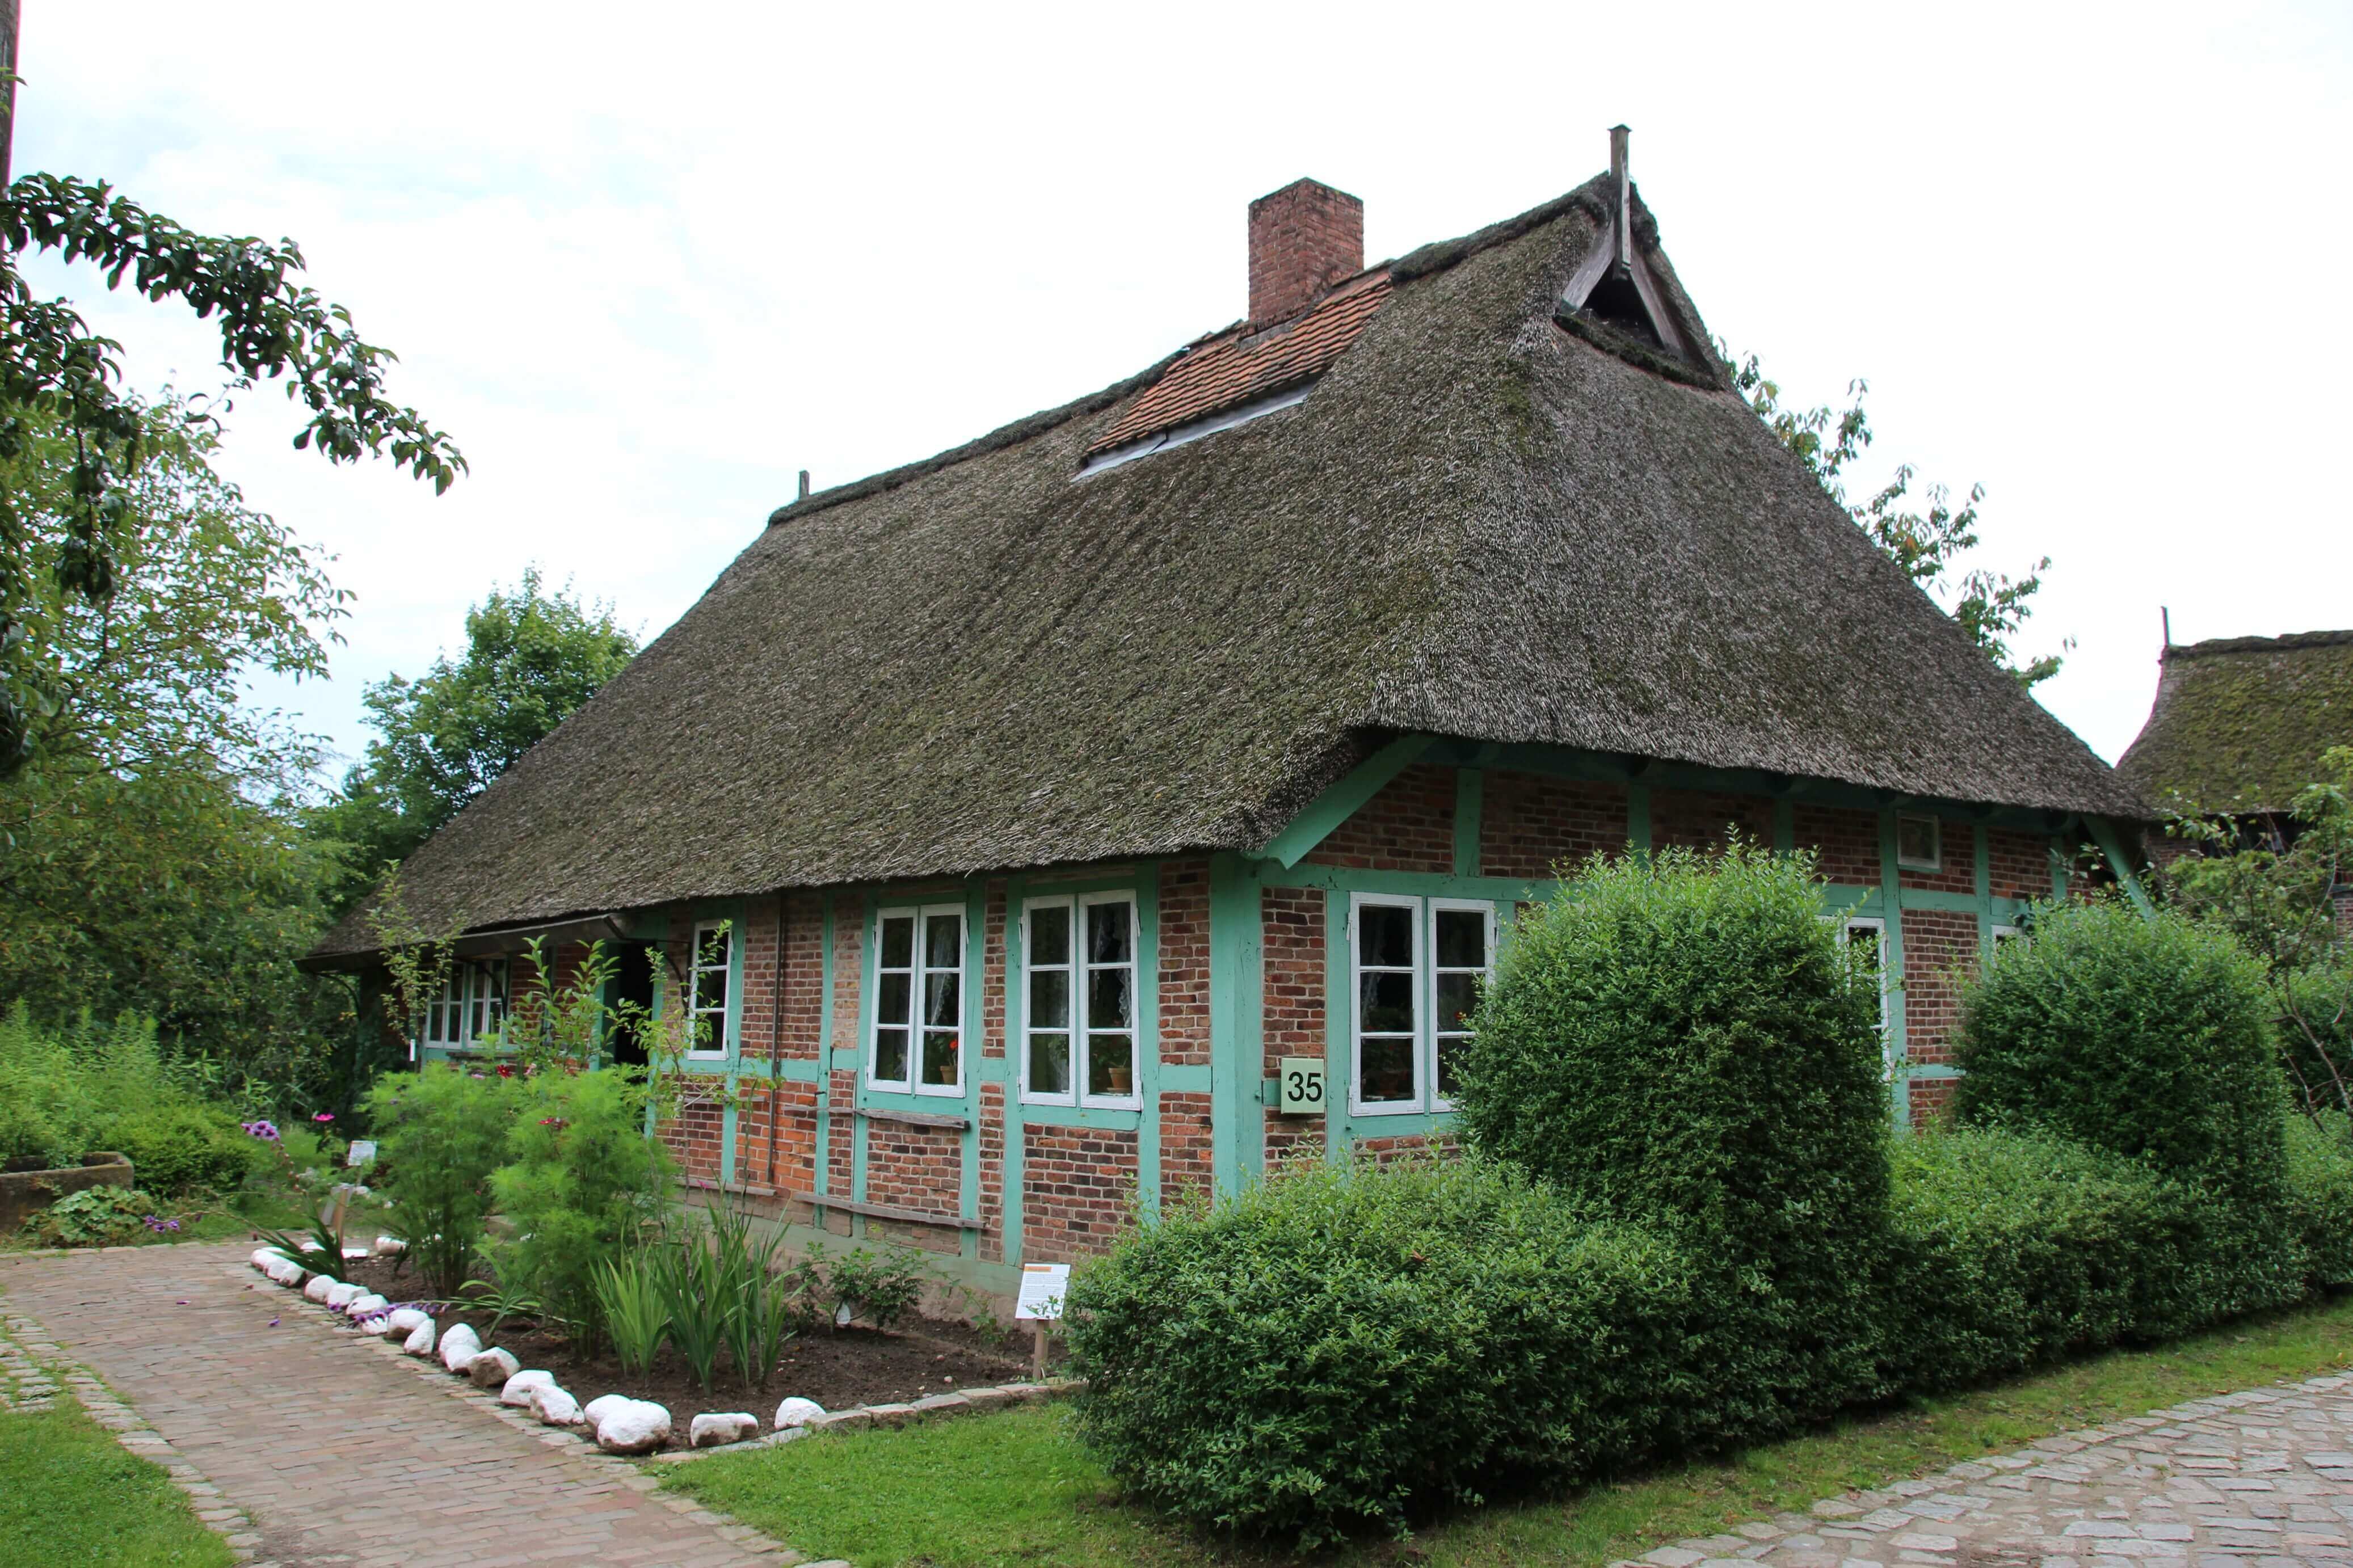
<point x="1302" y="239"/>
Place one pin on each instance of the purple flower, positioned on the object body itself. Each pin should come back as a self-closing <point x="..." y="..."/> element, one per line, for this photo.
<point x="273" y="1322"/>
<point x="264" y="1131"/>
<point x="324" y="1116"/>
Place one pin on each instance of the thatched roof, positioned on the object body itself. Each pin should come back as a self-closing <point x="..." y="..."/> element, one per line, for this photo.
<point x="2239" y="723"/>
<point x="1478" y="524"/>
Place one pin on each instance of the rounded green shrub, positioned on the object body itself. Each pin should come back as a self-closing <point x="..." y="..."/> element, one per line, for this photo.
<point x="2149" y="1037"/>
<point x="1339" y="1344"/>
<point x="183" y="1147"/>
<point x="1683" y="1042"/>
<point x="2320" y="1194"/>
<point x="440" y="1135"/>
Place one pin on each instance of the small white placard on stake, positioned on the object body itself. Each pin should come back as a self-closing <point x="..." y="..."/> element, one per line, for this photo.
<point x="1043" y="1288"/>
<point x="362" y="1150"/>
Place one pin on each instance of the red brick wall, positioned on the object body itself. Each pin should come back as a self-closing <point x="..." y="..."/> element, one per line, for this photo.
<point x="695" y="1136"/>
<point x="992" y="1173"/>
<point x="916" y="1168"/>
<point x="1932" y="1099"/>
<point x="804" y="975"/>
<point x="1531" y="822"/>
<point x="1383" y="1150"/>
<point x="992" y="974"/>
<point x="1187" y="1166"/>
<point x="1957" y="869"/>
<point x="2020" y="864"/>
<point x="1076" y="1186"/>
<point x="1291" y="961"/>
<point x="1408" y="826"/>
<point x="1939" y="949"/>
<point x="1691" y="819"/>
<point x="790" y="1164"/>
<point x="1845" y="841"/>
<point x="1302" y="238"/>
<point x="1184" y="962"/>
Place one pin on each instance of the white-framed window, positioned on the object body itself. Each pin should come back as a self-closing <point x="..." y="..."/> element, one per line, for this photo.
<point x="1078" y="1001"/>
<point x="1415" y="968"/>
<point x="706" y="988"/>
<point x="2005" y="935"/>
<point x="1865" y="937"/>
<point x="1919" y="841"/>
<point x="471" y="1005"/>
<point x="918" y="1041"/>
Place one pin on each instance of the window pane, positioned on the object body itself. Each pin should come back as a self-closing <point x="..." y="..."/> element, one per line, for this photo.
<point x="1111" y="1064"/>
<point x="891" y="1054"/>
<point x="899" y="941"/>
<point x="939" y="1056"/>
<point x="713" y="1034"/>
<point x="1049" y="1064"/>
<point x="714" y="950"/>
<point x="1110" y="999"/>
<point x="1451" y="1049"/>
<point x="940" y="998"/>
<point x="1461" y="940"/>
<point x="1457" y="998"/>
<point x="1107" y="933"/>
<point x="476" y="1023"/>
<point x="891" y="1005"/>
<point x="944" y="941"/>
<point x="1385" y="931"/>
<point x="1916" y="839"/>
<point x="1049" y="935"/>
<point x="711" y="989"/>
<point x="1387" y="1069"/>
<point x="1049" y="999"/>
<point x="1385" y="1004"/>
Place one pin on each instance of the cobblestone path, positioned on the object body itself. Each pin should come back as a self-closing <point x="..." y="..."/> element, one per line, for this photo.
<point x="2262" y="1479"/>
<point x="307" y="1450"/>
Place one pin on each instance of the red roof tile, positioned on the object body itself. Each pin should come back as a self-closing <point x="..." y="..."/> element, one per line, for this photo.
<point x="1239" y="367"/>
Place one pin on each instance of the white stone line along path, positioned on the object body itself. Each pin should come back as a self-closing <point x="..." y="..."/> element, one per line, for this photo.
<point x="2261" y="1479"/>
<point x="311" y="1451"/>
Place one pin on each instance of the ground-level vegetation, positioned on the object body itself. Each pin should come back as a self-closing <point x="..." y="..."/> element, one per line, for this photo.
<point x="70" y="1493"/>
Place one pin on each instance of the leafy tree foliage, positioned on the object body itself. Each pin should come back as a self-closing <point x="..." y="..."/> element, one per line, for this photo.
<point x="152" y="855"/>
<point x="533" y="657"/>
<point x="59" y="381"/>
<point x="1928" y="542"/>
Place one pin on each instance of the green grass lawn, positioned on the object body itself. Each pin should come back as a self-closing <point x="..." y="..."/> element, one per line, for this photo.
<point x="1017" y="1488"/>
<point x="71" y="1494"/>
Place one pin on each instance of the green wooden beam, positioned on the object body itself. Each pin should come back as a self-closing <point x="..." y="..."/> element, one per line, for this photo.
<point x="1237" y="1022"/>
<point x="1343" y="800"/>
<point x="2104" y="834"/>
<point x="1469" y="816"/>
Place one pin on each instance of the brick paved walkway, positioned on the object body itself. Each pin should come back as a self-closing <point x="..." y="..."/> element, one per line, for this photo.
<point x="2257" y="1480"/>
<point x="337" y="1455"/>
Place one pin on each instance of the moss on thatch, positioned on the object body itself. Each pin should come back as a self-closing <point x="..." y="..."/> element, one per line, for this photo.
<point x="1477" y="525"/>
<point x="2240" y="723"/>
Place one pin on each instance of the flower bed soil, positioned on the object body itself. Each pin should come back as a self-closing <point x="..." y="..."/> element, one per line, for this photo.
<point x="837" y="1368"/>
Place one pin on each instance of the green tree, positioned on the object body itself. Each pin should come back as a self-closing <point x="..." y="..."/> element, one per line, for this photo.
<point x="1927" y="544"/>
<point x="152" y="853"/>
<point x="533" y="657"/>
<point x="60" y="380"/>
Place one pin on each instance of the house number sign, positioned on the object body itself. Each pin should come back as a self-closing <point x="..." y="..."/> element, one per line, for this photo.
<point x="1303" y="1086"/>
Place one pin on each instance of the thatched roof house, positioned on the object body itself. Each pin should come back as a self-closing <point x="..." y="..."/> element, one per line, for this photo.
<point x="2240" y="723"/>
<point x="1367" y="609"/>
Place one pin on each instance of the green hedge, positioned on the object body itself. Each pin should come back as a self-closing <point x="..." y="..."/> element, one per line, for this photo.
<point x="1681" y="1042"/>
<point x="185" y="1148"/>
<point x="2153" y="1038"/>
<point x="2320" y="1194"/>
<point x="1338" y="1343"/>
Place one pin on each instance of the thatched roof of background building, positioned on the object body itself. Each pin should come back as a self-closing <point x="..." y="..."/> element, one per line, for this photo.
<point x="1478" y="524"/>
<point x="2239" y="723"/>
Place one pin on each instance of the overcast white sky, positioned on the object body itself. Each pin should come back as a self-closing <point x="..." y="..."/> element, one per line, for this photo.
<point x="644" y="262"/>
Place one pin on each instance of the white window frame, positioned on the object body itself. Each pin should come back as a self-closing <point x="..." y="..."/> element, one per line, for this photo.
<point x="2000" y="934"/>
<point x="1848" y="925"/>
<point x="472" y="984"/>
<point x="922" y="915"/>
<point x="1936" y="860"/>
<point x="695" y="1007"/>
<point x="1424" y="912"/>
<point x="1486" y="973"/>
<point x="1078" y="1025"/>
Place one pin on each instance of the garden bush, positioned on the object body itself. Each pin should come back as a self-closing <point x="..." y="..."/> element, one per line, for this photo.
<point x="583" y="1182"/>
<point x="2320" y="1194"/>
<point x="2011" y="1249"/>
<point x="2150" y="1037"/>
<point x="184" y="1147"/>
<point x="440" y="1134"/>
<point x="1683" y="1042"/>
<point x="1336" y="1344"/>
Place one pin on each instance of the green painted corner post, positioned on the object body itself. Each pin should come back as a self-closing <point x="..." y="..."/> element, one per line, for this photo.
<point x="1981" y="848"/>
<point x="1470" y="818"/>
<point x="1891" y="956"/>
<point x="1237" y="1022"/>
<point x="1339" y="1025"/>
<point x="1785" y="826"/>
<point x="2104" y="834"/>
<point x="1638" y="817"/>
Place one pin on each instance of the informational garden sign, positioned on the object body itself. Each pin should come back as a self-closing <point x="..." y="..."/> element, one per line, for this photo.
<point x="1043" y="1288"/>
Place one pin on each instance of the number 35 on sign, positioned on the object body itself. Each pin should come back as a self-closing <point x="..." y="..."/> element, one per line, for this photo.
<point x="1302" y="1086"/>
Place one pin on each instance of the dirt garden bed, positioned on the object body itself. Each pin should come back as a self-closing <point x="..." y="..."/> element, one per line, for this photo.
<point x="837" y="1368"/>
